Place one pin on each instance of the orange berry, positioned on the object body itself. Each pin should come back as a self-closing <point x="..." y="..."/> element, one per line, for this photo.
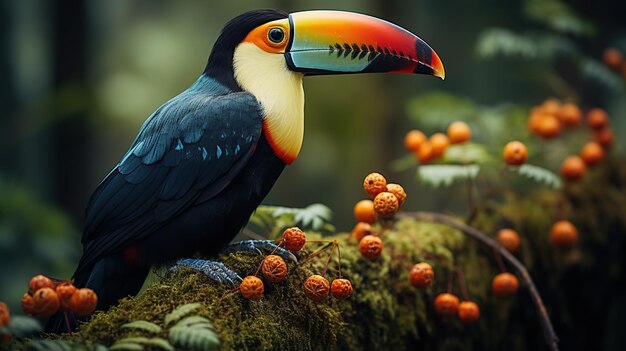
<point x="421" y="275"/>
<point x="316" y="288"/>
<point x="569" y="115"/>
<point x="65" y="291"/>
<point x="360" y="230"/>
<point x="515" y="153"/>
<point x="252" y="288"/>
<point x="398" y="191"/>
<point x="40" y="281"/>
<point x="612" y="57"/>
<point x="28" y="306"/>
<point x="534" y="120"/>
<point x="604" y="137"/>
<point x="294" y="239"/>
<point x="597" y="118"/>
<point x="413" y="140"/>
<point x="573" y="168"/>
<point x="374" y="184"/>
<point x="364" y="211"/>
<point x="509" y="239"/>
<point x="341" y="289"/>
<point x="550" y="106"/>
<point x="371" y="247"/>
<point x="45" y="302"/>
<point x="83" y="302"/>
<point x="439" y="142"/>
<point x="459" y="132"/>
<point x="548" y="127"/>
<point x="386" y="204"/>
<point x="563" y="235"/>
<point x="5" y="314"/>
<point x="446" y="305"/>
<point x="592" y="153"/>
<point x="274" y="269"/>
<point x="468" y="312"/>
<point x="425" y="153"/>
<point x="504" y="285"/>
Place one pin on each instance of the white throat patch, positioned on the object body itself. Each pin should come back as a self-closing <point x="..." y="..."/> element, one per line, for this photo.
<point x="280" y="92"/>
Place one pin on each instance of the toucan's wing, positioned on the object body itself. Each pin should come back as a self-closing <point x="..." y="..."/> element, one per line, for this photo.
<point x="186" y="152"/>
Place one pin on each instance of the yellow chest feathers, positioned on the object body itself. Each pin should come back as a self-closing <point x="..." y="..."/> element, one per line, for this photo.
<point x="280" y="92"/>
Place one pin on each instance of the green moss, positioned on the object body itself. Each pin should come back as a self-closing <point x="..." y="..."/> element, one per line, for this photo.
<point x="385" y="311"/>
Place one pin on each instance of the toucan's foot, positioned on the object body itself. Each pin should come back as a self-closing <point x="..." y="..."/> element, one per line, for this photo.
<point x="214" y="270"/>
<point x="258" y="246"/>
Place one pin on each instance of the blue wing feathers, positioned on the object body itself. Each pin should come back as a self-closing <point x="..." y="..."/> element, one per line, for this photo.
<point x="173" y="164"/>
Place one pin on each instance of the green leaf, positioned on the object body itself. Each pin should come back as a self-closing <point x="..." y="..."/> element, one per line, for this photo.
<point x="467" y="153"/>
<point x="197" y="337"/>
<point x="49" y="345"/>
<point x="160" y="343"/>
<point x="498" y="41"/>
<point x="193" y="320"/>
<point x="437" y="109"/>
<point x="22" y="326"/>
<point x="132" y="340"/>
<point x="313" y="216"/>
<point x="132" y="343"/>
<point x="143" y="325"/>
<point x="558" y="16"/>
<point x="539" y="174"/>
<point x="597" y="71"/>
<point x="438" y="175"/>
<point x="402" y="164"/>
<point x="180" y="312"/>
<point x="62" y="345"/>
<point x="126" y="346"/>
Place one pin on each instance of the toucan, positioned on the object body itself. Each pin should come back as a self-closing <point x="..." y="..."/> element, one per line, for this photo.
<point x="204" y="160"/>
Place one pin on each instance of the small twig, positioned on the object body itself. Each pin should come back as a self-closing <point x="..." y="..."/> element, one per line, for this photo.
<point x="499" y="260"/>
<point x="549" y="333"/>
<point x="449" y="289"/>
<point x="339" y="260"/>
<point x="330" y="255"/>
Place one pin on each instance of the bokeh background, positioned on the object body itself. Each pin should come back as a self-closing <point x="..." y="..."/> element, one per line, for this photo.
<point x="78" y="78"/>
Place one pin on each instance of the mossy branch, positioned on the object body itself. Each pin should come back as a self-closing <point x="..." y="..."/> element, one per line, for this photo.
<point x="549" y="333"/>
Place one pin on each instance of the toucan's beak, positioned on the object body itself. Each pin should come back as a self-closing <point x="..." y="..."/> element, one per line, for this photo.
<point x="329" y="42"/>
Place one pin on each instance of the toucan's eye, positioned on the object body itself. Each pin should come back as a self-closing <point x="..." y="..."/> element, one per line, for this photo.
<point x="276" y="35"/>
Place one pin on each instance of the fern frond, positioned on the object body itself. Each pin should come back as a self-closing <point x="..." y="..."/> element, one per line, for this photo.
<point x="21" y="326"/>
<point x="540" y="175"/>
<point x="467" y="153"/>
<point x="180" y="312"/>
<point x="595" y="70"/>
<point x="62" y="345"/>
<point x="197" y="337"/>
<point x="143" y="325"/>
<point x="558" y="16"/>
<point x="126" y="346"/>
<point x="438" y="175"/>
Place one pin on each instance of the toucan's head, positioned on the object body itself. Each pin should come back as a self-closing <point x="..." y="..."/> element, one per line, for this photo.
<point x="325" y="42"/>
<point x="267" y="52"/>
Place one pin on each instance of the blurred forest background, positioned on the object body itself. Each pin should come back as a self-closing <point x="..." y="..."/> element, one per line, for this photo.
<point x="78" y="78"/>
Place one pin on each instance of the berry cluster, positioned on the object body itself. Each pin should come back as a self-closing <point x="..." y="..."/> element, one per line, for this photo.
<point x="44" y="298"/>
<point x="434" y="147"/>
<point x="547" y="120"/>
<point x="274" y="270"/>
<point x="387" y="199"/>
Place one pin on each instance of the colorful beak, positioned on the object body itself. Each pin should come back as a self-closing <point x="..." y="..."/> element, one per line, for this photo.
<point x="331" y="42"/>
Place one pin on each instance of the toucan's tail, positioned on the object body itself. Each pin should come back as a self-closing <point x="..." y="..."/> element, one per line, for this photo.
<point x="111" y="278"/>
